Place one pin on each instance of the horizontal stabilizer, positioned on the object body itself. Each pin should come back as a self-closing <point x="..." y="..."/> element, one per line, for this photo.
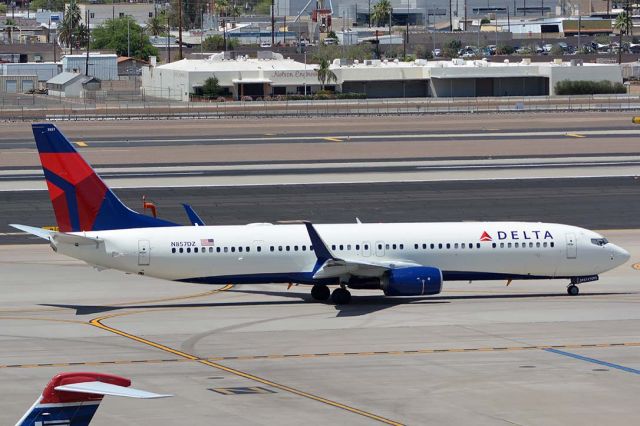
<point x="101" y="388"/>
<point x="58" y="237"/>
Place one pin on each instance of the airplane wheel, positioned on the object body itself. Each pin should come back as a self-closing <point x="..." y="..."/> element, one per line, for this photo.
<point x="341" y="296"/>
<point x="573" y="290"/>
<point x="320" y="292"/>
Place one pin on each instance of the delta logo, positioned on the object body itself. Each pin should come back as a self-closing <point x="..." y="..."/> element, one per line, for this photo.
<point x="486" y="237"/>
<point x="518" y="235"/>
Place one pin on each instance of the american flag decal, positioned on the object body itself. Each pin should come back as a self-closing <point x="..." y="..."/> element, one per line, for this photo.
<point x="206" y="242"/>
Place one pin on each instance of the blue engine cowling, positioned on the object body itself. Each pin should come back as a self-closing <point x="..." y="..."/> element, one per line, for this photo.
<point x="413" y="281"/>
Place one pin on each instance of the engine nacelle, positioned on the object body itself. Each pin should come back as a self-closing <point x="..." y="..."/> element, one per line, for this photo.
<point x="413" y="281"/>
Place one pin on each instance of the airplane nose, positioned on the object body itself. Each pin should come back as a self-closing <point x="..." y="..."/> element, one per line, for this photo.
<point x="620" y="254"/>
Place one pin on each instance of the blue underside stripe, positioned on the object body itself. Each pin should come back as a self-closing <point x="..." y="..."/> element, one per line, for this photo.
<point x="307" y="277"/>
<point x="77" y="415"/>
<point x="594" y="361"/>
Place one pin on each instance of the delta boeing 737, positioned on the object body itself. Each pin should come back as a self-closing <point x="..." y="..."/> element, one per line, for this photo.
<point x="401" y="259"/>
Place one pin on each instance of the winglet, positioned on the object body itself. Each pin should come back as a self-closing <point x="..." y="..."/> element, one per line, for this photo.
<point x="73" y="398"/>
<point x="193" y="216"/>
<point x="319" y="247"/>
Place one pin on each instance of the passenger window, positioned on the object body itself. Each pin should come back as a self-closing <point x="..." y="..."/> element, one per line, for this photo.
<point x="295" y="248"/>
<point x="544" y="244"/>
<point x="493" y="245"/>
<point x="477" y="245"/>
<point x="240" y="249"/>
<point x="279" y="248"/>
<point x="288" y="248"/>
<point x="530" y="245"/>
<point x="462" y="245"/>
<point x="348" y="246"/>
<point x="432" y="246"/>
<point x="259" y="249"/>
<point x="357" y="246"/>
<point x="310" y="248"/>
<point x="551" y="244"/>
<point x="509" y="245"/>
<point x="188" y="249"/>
<point x="379" y="246"/>
<point x="516" y="245"/>
<point x="341" y="247"/>
<point x="272" y="248"/>
<point x="333" y="247"/>
<point x="233" y="249"/>
<point x="394" y="246"/>
<point x="401" y="246"/>
<point x="386" y="246"/>
<point x="455" y="245"/>
<point x="538" y="244"/>
<point x="218" y="249"/>
<point x="415" y="246"/>
<point x="195" y="250"/>
<point x="173" y="250"/>
<point x="501" y="245"/>
<point x="210" y="249"/>
<point x="181" y="250"/>
<point x="448" y="245"/>
<point x="304" y="248"/>
<point x="424" y="246"/>
<point x="366" y="246"/>
<point x="247" y="249"/>
<point x="440" y="245"/>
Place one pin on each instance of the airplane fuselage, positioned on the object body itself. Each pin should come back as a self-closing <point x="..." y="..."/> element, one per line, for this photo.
<point x="265" y="253"/>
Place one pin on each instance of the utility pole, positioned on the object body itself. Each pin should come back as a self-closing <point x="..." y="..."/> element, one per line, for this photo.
<point x="179" y="29"/>
<point x="86" y="67"/>
<point x="450" y="17"/>
<point x="369" y="16"/>
<point x="128" y="36"/>
<point x="168" y="39"/>
<point x="273" y="23"/>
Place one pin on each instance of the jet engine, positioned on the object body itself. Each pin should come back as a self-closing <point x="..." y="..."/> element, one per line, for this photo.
<point x="412" y="281"/>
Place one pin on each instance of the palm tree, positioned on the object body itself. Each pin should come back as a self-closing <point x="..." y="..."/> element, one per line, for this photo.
<point x="381" y="11"/>
<point x="623" y="22"/>
<point x="9" y="24"/>
<point x="155" y="25"/>
<point x="69" y="24"/>
<point x="325" y="75"/>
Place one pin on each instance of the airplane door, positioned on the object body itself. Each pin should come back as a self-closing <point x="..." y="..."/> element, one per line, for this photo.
<point x="572" y="246"/>
<point x="380" y="248"/>
<point x="366" y="248"/>
<point x="143" y="252"/>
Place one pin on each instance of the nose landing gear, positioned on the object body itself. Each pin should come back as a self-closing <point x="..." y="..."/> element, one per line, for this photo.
<point x="573" y="290"/>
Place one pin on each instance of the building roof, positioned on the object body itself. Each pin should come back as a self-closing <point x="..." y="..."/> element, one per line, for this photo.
<point x="67" y="77"/>
<point x="215" y="63"/>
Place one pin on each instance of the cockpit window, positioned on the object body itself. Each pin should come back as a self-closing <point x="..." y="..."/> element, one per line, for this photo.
<point x="599" y="241"/>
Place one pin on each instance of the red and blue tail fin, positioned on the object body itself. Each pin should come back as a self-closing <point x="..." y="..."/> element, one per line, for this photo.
<point x="81" y="200"/>
<point x="73" y="398"/>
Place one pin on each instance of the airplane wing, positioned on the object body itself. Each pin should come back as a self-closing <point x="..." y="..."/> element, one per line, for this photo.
<point x="73" y="398"/>
<point x="333" y="266"/>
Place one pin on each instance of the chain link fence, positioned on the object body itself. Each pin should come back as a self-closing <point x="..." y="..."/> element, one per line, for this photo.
<point x="130" y="106"/>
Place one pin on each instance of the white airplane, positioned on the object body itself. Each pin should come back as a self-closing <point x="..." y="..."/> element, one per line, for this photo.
<point x="73" y="398"/>
<point x="401" y="259"/>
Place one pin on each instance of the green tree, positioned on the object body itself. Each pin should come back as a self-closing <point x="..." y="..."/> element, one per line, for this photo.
<point x="211" y="87"/>
<point x="69" y="26"/>
<point x="9" y="24"/>
<point x="451" y="48"/>
<point x="3" y="8"/>
<point x="505" y="49"/>
<point x="54" y="5"/>
<point x="325" y="75"/>
<point x="623" y="24"/>
<point x="156" y="24"/>
<point x="381" y="12"/>
<point x="118" y="34"/>
<point x="213" y="43"/>
<point x="263" y="7"/>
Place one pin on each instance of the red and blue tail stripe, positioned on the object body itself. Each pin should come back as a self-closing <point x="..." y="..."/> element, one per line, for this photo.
<point x="81" y="200"/>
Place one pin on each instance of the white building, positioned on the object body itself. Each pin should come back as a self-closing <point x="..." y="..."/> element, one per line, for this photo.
<point x="375" y="78"/>
<point x="42" y="70"/>
<point x="100" y="13"/>
<point x="71" y="85"/>
<point x="102" y="66"/>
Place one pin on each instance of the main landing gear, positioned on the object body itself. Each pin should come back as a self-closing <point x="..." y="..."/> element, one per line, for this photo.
<point x="340" y="296"/>
<point x="320" y="292"/>
<point x="573" y="290"/>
